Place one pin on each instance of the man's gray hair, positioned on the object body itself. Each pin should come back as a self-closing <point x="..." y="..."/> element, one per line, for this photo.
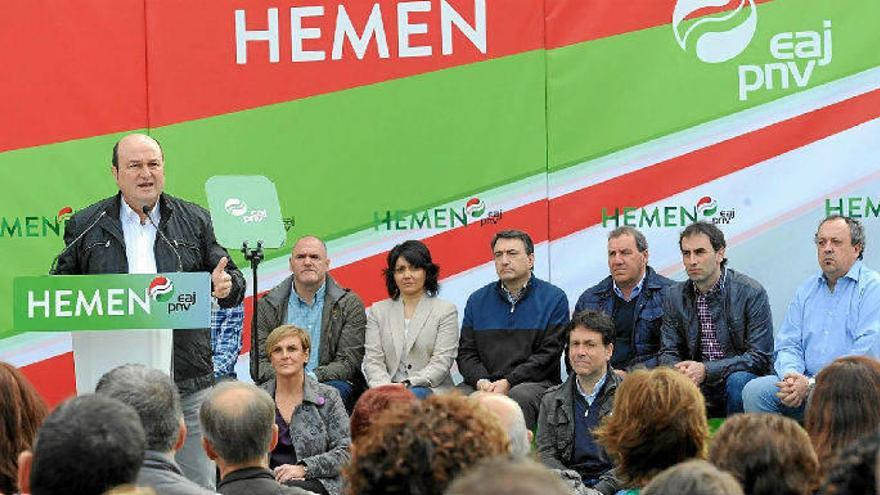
<point x="153" y="395"/>
<point x="641" y="241"/>
<point x="237" y="420"/>
<point x="511" y="417"/>
<point x="515" y="476"/>
<point x="856" y="231"/>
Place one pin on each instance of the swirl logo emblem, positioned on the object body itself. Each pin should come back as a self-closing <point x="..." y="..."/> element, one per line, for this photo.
<point x="161" y="289"/>
<point x="475" y="207"/>
<point x="235" y="207"/>
<point x="716" y="42"/>
<point x="707" y="206"/>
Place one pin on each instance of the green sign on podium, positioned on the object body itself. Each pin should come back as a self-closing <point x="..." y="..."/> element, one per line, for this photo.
<point x="110" y="302"/>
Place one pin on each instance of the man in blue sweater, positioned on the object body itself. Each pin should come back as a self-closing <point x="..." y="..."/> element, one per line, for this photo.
<point x="513" y="330"/>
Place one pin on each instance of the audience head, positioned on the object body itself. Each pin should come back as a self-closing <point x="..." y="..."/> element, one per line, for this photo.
<point x="854" y="472"/>
<point x="415" y="257"/>
<point x="659" y="420"/>
<point x="505" y="476"/>
<point x="843" y="406"/>
<point x="694" y="477"/>
<point x="87" y="446"/>
<point x="238" y="424"/>
<point x="21" y="413"/>
<point x="373" y="402"/>
<point x="420" y="449"/>
<point x="154" y="397"/>
<point x="768" y="454"/>
<point x="511" y="418"/>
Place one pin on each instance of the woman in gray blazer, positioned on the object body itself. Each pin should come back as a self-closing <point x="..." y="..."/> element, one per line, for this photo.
<point x="412" y="337"/>
<point x="313" y="428"/>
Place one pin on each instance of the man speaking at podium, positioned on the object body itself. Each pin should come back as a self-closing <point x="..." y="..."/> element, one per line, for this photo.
<point x="143" y="230"/>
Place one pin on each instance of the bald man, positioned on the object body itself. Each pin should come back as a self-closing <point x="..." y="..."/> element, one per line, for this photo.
<point x="333" y="316"/>
<point x="238" y="420"/>
<point x="511" y="417"/>
<point x="141" y="229"/>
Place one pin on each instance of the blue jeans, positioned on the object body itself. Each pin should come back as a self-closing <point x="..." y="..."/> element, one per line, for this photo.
<point x="347" y="391"/>
<point x="733" y="388"/>
<point x="760" y="396"/>
<point x="421" y="392"/>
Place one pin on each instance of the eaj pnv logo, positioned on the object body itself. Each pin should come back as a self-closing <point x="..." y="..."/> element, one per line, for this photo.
<point x="720" y="37"/>
<point x="161" y="289"/>
<point x="717" y="38"/>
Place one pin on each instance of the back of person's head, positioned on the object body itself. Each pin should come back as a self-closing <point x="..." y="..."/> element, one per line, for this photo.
<point x="506" y="476"/>
<point x="419" y="449"/>
<point x="659" y="420"/>
<point x="843" y="406"/>
<point x="373" y="402"/>
<point x="854" y="472"/>
<point x="694" y="477"/>
<point x="237" y="421"/>
<point x="153" y="395"/>
<point x="511" y="418"/>
<point x="767" y="453"/>
<point x="22" y="411"/>
<point x="87" y="446"/>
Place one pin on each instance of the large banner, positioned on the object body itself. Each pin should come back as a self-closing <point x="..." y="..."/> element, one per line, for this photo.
<point x="447" y="120"/>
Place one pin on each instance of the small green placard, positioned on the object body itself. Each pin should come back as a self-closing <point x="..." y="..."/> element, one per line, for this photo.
<point x="245" y="208"/>
<point x="111" y="302"/>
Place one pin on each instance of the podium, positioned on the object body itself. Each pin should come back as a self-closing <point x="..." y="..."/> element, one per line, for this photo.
<point x="114" y="317"/>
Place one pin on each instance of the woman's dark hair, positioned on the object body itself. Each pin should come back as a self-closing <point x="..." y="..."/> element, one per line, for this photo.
<point x="855" y="471"/>
<point x="843" y="406"/>
<point x="417" y="255"/>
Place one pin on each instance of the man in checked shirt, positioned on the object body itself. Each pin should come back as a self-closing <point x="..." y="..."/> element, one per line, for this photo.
<point x="226" y="328"/>
<point x="717" y="327"/>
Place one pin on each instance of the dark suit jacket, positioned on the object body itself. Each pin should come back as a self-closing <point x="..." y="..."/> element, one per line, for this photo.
<point x="255" y="481"/>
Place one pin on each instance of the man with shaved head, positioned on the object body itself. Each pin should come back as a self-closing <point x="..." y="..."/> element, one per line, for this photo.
<point x="141" y="229"/>
<point x="511" y="418"/>
<point x="238" y="421"/>
<point x="333" y="316"/>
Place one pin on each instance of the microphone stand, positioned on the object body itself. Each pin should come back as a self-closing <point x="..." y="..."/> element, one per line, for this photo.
<point x="255" y="256"/>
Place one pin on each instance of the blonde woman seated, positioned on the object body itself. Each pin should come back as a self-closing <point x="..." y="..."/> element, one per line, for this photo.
<point x="412" y="337"/>
<point x="313" y="428"/>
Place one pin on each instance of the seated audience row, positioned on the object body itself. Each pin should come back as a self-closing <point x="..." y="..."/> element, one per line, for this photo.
<point x="127" y="433"/>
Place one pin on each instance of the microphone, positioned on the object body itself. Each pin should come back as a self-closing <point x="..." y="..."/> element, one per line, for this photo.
<point x="146" y="209"/>
<point x="53" y="270"/>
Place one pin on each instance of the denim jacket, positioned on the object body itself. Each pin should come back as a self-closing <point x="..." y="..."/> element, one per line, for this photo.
<point x="648" y="314"/>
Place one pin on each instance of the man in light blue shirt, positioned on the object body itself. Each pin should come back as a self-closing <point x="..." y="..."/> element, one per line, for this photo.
<point x="834" y="314"/>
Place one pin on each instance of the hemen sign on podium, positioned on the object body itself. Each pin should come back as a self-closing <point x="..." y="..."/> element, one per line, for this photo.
<point x="111" y="302"/>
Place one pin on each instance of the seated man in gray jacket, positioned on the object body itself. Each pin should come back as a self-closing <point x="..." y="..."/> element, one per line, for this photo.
<point x="571" y="411"/>
<point x="333" y="316"/>
<point x="154" y="397"/>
